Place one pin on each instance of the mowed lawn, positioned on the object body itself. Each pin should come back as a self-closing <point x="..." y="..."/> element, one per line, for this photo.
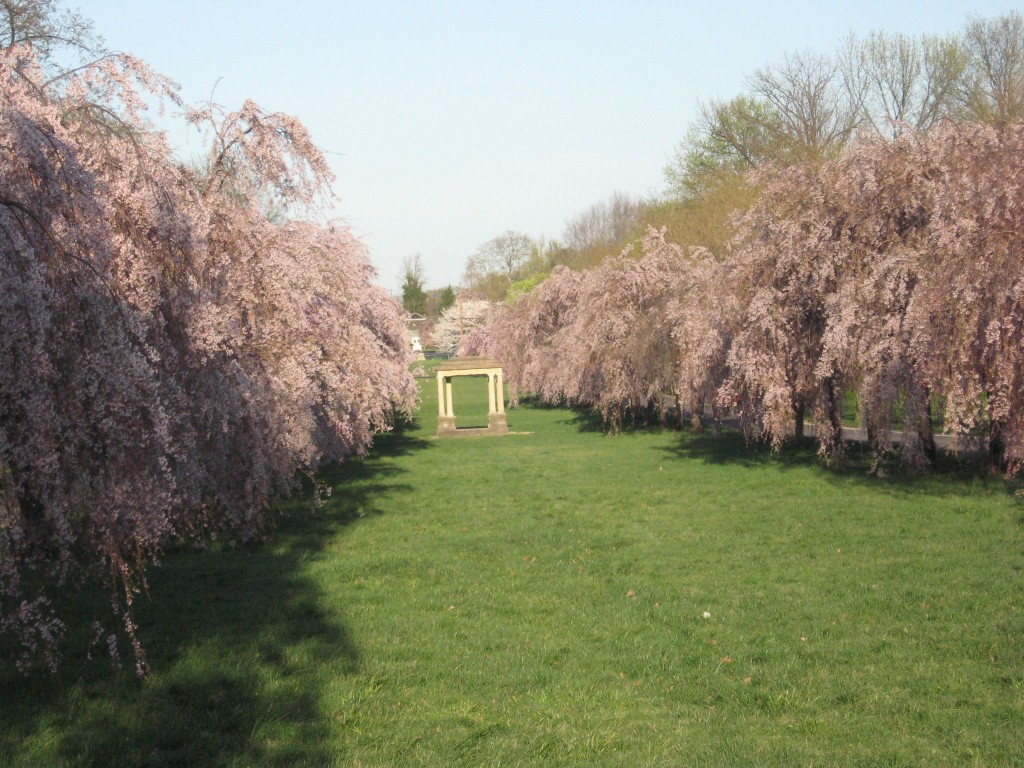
<point x="561" y="597"/>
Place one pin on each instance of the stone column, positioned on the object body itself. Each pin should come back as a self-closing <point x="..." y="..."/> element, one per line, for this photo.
<point x="490" y="394"/>
<point x="445" y="416"/>
<point x="496" y="420"/>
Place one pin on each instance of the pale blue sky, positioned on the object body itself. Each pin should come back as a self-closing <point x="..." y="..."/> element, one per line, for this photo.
<point x="448" y="123"/>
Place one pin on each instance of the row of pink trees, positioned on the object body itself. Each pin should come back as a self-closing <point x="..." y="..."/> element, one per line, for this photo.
<point x="608" y="337"/>
<point x="895" y="271"/>
<point x="170" y="356"/>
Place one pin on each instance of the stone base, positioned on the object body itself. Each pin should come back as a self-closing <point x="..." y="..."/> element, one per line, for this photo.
<point x="469" y="432"/>
<point x="496" y="425"/>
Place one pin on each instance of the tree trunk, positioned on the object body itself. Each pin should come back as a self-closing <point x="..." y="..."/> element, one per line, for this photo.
<point x="996" y="448"/>
<point x="872" y="434"/>
<point x="924" y="428"/>
<point x="615" y="419"/>
<point x="697" y="410"/>
<point x="799" y="409"/>
<point x="833" y="404"/>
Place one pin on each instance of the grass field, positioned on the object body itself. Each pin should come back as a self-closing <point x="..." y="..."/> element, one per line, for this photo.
<point x="565" y="598"/>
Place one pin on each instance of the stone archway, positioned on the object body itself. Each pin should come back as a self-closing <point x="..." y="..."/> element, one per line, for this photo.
<point x="471" y="366"/>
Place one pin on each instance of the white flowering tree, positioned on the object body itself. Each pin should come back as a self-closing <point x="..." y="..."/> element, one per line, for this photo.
<point x="457" y="321"/>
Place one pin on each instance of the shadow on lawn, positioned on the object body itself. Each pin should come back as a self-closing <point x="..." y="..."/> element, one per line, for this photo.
<point x="730" y="447"/>
<point x="240" y="641"/>
<point x="587" y="419"/>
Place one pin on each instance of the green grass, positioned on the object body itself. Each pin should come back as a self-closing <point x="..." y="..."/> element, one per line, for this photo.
<point x="539" y="599"/>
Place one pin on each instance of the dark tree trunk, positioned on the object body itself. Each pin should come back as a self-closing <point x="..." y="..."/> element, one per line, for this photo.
<point x="833" y="403"/>
<point x="924" y="428"/>
<point x="996" y="448"/>
<point x="799" y="409"/>
<point x="697" y="410"/>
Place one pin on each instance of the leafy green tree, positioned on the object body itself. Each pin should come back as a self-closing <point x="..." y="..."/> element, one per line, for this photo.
<point x="729" y="137"/>
<point x="445" y="299"/>
<point x="414" y="298"/>
<point x="524" y="286"/>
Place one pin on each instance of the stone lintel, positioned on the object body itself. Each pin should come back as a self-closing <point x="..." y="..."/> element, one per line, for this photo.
<point x="468" y="366"/>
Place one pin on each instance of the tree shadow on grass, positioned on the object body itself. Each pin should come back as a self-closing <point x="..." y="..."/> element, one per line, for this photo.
<point x="730" y="447"/>
<point x="242" y="643"/>
<point x="589" y="420"/>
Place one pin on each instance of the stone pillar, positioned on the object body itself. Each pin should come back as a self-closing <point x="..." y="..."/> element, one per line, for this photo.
<point x="445" y="415"/>
<point x="496" y="419"/>
<point x="490" y="394"/>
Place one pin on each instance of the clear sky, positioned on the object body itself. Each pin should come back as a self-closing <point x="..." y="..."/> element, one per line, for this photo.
<point x="448" y="123"/>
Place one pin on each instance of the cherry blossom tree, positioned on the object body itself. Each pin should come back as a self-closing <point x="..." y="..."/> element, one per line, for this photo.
<point x="784" y="267"/>
<point x="876" y="222"/>
<point x="519" y="334"/>
<point x="703" y="319"/>
<point x="892" y="270"/>
<point x="966" y="181"/>
<point x="617" y="353"/>
<point x="170" y="358"/>
<point x="613" y="337"/>
<point x="933" y="267"/>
